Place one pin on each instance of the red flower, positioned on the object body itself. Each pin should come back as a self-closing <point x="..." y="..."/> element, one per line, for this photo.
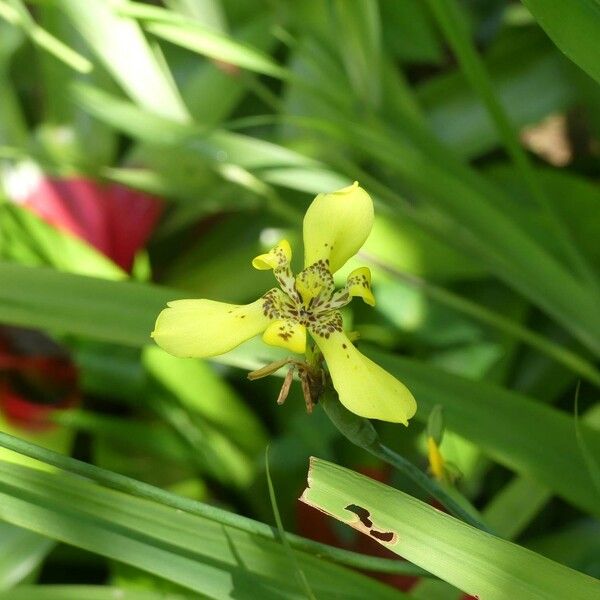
<point x="115" y="219"/>
<point x="32" y="386"/>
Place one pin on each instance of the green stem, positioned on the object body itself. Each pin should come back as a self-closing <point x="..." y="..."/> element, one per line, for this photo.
<point x="131" y="486"/>
<point x="361" y="432"/>
<point x="302" y="580"/>
<point x="451" y="22"/>
<point x="565" y="357"/>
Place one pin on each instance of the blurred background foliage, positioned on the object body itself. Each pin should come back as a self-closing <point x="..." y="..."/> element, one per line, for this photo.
<point x="149" y="150"/>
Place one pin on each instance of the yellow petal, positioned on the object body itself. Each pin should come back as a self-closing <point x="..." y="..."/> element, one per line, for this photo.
<point x="359" y="284"/>
<point x="363" y="386"/>
<point x="202" y="328"/>
<point x="436" y="460"/>
<point x="336" y="225"/>
<point x="287" y="334"/>
<point x="277" y="257"/>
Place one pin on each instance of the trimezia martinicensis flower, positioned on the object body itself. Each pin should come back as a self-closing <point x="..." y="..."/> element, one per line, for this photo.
<point x="336" y="225"/>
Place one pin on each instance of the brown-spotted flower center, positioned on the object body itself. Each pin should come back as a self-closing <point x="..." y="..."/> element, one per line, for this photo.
<point x="336" y="225"/>
<point x="308" y="301"/>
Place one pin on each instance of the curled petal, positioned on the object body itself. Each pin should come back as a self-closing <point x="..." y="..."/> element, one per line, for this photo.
<point x="359" y="285"/>
<point x="287" y="334"/>
<point x="278" y="257"/>
<point x="336" y="225"/>
<point x="202" y="328"/>
<point x="363" y="386"/>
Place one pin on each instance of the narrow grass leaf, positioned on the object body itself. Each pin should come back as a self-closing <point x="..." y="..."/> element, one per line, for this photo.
<point x="499" y="421"/>
<point x="450" y="18"/>
<point x="300" y="575"/>
<point x="194" y="36"/>
<point x="195" y="552"/>
<point x="21" y="553"/>
<point x="496" y="419"/>
<point x="218" y="47"/>
<point x="122" y="48"/>
<point x="44" y="458"/>
<point x="16" y="12"/>
<point x="591" y="458"/>
<point x="476" y="562"/>
<point x="89" y="592"/>
<point x="574" y="27"/>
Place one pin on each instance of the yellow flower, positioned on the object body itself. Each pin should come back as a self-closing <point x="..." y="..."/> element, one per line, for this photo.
<point x="336" y="225"/>
<point x="437" y="465"/>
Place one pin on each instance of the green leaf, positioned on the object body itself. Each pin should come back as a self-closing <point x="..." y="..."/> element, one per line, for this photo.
<point x="207" y="41"/>
<point x="27" y="233"/>
<point x="18" y="14"/>
<point x="216" y="146"/>
<point x="574" y="27"/>
<point x="21" y="553"/>
<point x="358" y="24"/>
<point x="203" y="392"/>
<point x="13" y="127"/>
<point x="121" y="312"/>
<point x="525" y="63"/>
<point x="515" y="506"/>
<point x="225" y="91"/>
<point x="195" y="552"/>
<point x="464" y="197"/>
<point x="48" y="459"/>
<point x="450" y="19"/>
<point x="408" y="32"/>
<point x="121" y="46"/>
<point x="476" y="562"/>
<point x="89" y="592"/>
<point x="578" y="214"/>
<point x="219" y="47"/>
<point x="500" y="423"/>
<point x="577" y="545"/>
<point x="496" y="419"/>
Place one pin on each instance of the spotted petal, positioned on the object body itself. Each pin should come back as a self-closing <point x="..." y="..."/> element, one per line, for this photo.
<point x="278" y="257"/>
<point x="202" y="328"/>
<point x="363" y="386"/>
<point x="336" y="225"/>
<point x="287" y="334"/>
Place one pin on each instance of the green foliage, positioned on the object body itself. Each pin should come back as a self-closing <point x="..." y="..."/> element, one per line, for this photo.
<point x="572" y="28"/>
<point x="474" y="561"/>
<point x="474" y="126"/>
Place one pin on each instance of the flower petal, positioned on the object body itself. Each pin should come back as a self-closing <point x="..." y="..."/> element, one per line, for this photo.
<point x="278" y="257"/>
<point x="436" y="460"/>
<point x="336" y="225"/>
<point x="202" y="328"/>
<point x="287" y="334"/>
<point x="363" y="386"/>
<point x="358" y="284"/>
